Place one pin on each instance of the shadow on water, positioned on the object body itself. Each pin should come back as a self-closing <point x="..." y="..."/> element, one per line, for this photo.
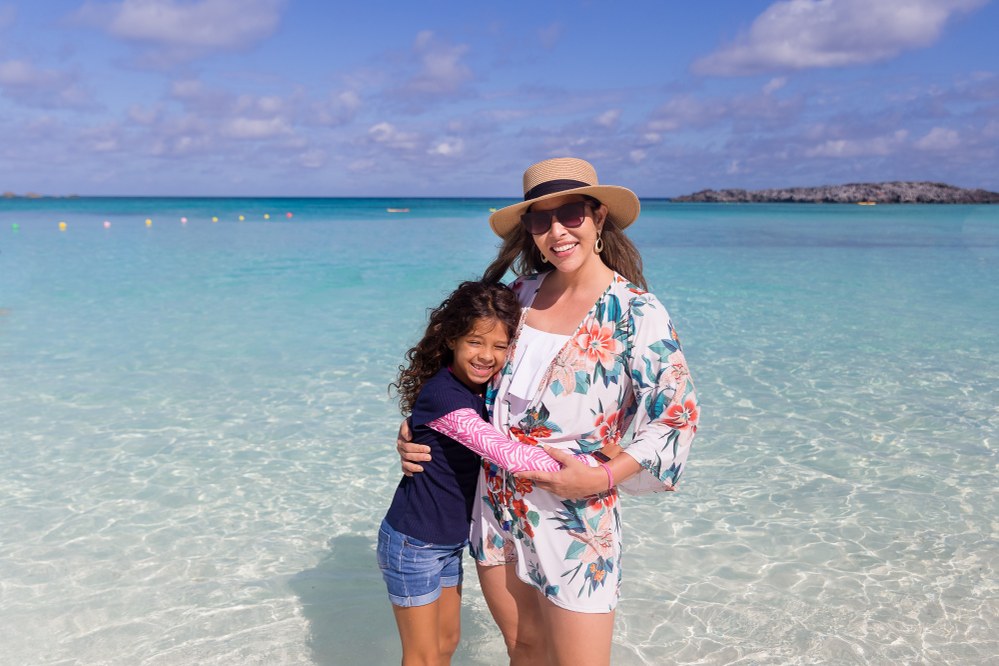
<point x="343" y="598"/>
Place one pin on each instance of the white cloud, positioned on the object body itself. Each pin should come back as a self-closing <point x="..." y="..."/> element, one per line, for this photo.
<point x="339" y="109"/>
<point x="142" y="116"/>
<point x="879" y="145"/>
<point x="186" y="30"/>
<point x="685" y="111"/>
<point x="802" y="34"/>
<point x="20" y="73"/>
<point x="313" y="159"/>
<point x="939" y="138"/>
<point x="254" y="128"/>
<point x="774" y="84"/>
<point x="441" y="69"/>
<point x="35" y="86"/>
<point x="637" y="155"/>
<point x="449" y="147"/>
<point x="387" y="134"/>
<point x="609" y="118"/>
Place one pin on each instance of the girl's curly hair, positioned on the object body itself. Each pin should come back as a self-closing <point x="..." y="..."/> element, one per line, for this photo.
<point x="453" y="318"/>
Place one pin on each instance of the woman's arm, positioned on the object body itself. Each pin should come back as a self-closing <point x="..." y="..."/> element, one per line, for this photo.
<point x="467" y="427"/>
<point x="411" y="454"/>
<point x="668" y="414"/>
<point x="576" y="480"/>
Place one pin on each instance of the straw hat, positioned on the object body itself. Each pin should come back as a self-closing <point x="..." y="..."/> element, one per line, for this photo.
<point x="566" y="175"/>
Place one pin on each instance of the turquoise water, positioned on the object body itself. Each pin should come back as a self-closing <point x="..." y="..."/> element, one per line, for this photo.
<point x="197" y="441"/>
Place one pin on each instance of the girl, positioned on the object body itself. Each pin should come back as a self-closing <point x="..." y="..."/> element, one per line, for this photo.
<point x="421" y="539"/>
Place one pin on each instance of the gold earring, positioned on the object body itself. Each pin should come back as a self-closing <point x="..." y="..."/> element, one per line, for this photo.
<point x="598" y="247"/>
<point x="544" y="259"/>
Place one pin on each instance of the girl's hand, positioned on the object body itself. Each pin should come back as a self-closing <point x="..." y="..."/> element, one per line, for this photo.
<point x="575" y="480"/>
<point x="410" y="454"/>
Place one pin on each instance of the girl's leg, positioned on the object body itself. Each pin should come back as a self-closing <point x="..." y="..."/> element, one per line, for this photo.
<point x="579" y="639"/>
<point x="515" y="608"/>
<point x="430" y="633"/>
<point x="418" y="630"/>
<point x="449" y="624"/>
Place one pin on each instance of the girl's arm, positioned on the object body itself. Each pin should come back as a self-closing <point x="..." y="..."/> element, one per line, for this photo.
<point x="467" y="427"/>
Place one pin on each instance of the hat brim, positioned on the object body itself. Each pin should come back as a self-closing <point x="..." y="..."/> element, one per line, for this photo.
<point x="622" y="207"/>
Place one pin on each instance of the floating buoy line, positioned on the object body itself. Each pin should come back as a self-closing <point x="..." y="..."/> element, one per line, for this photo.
<point x="62" y="225"/>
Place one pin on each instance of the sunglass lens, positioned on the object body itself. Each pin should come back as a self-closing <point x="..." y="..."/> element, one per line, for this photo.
<point x="571" y="215"/>
<point x="537" y="222"/>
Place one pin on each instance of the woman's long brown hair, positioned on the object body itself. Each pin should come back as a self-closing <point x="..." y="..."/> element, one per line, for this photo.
<point x="519" y="251"/>
<point x="450" y="320"/>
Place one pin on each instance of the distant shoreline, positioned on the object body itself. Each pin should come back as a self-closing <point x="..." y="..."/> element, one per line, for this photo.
<point x="896" y="192"/>
<point x="852" y="193"/>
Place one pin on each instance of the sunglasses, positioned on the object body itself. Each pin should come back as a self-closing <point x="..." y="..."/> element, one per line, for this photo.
<point x="570" y="216"/>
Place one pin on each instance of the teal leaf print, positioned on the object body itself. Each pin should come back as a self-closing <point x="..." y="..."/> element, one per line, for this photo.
<point x="582" y="382"/>
<point x="556" y="388"/>
<point x="664" y="348"/>
<point x="649" y="372"/>
<point x="657" y="406"/>
<point x="534" y="518"/>
<point x="569" y="518"/>
<point x="608" y="309"/>
<point x="576" y="548"/>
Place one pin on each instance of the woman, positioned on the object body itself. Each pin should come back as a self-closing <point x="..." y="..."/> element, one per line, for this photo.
<point x="594" y="354"/>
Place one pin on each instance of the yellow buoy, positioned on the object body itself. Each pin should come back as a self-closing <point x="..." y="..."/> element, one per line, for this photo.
<point x="267" y="216"/>
<point x="215" y="219"/>
<point x="62" y="226"/>
<point x="241" y="218"/>
<point x="149" y="222"/>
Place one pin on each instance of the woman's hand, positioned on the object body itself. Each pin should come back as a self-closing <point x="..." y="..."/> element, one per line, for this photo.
<point x="574" y="481"/>
<point x="410" y="454"/>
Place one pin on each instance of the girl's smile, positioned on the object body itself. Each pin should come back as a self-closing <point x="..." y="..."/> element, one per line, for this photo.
<point x="480" y="353"/>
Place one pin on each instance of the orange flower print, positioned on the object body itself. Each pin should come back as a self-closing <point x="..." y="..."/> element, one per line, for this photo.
<point x="532" y="436"/>
<point x="682" y="416"/>
<point x="522" y="486"/>
<point x="519" y="508"/>
<point x="598" y="502"/>
<point x="597" y="574"/>
<point x="607" y="429"/>
<point x="596" y="344"/>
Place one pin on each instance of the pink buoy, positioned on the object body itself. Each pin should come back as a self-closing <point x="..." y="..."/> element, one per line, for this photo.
<point x="288" y="215"/>
<point x="107" y="225"/>
<point x="183" y="220"/>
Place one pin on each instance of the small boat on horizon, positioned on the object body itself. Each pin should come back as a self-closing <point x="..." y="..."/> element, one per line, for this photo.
<point x="867" y="203"/>
<point x="396" y="210"/>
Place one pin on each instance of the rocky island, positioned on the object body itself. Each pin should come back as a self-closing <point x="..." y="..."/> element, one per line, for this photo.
<point x="866" y="193"/>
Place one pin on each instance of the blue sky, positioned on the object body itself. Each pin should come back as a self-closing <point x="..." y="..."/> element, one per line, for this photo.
<point x="434" y="98"/>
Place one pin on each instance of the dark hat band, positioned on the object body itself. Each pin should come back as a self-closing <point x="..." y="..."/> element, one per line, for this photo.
<point x="552" y="186"/>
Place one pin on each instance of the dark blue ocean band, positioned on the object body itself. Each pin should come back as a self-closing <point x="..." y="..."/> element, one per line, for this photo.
<point x="552" y="186"/>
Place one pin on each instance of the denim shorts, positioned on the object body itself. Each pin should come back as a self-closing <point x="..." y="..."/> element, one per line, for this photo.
<point x="415" y="571"/>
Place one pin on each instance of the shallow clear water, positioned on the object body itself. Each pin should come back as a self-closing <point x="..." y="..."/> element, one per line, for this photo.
<point x="197" y="442"/>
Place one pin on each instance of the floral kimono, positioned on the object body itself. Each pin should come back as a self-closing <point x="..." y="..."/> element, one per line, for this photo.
<point x="623" y="367"/>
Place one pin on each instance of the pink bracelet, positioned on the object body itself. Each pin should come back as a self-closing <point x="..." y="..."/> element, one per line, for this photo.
<point x="610" y="475"/>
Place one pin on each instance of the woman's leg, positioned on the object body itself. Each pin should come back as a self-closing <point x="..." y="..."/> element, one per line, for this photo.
<point x="579" y="639"/>
<point x="515" y="608"/>
<point x="430" y="633"/>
